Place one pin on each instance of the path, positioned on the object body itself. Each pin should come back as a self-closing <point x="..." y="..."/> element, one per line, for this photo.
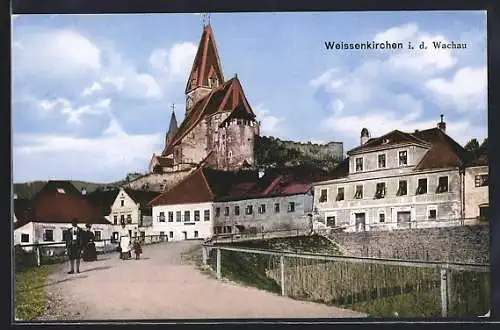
<point x="161" y="286"/>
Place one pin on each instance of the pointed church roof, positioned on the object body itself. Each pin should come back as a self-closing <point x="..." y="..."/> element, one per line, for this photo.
<point x="172" y="128"/>
<point x="206" y="62"/>
<point x="228" y="97"/>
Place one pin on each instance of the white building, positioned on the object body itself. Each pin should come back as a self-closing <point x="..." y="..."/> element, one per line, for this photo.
<point x="44" y="218"/>
<point x="398" y="180"/>
<point x="476" y="186"/>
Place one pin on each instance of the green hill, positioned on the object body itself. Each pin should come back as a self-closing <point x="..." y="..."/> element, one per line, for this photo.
<point x="30" y="189"/>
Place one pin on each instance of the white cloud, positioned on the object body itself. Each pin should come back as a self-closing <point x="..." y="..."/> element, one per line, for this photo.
<point x="338" y="106"/>
<point x="398" y="33"/>
<point x="466" y="91"/>
<point x="93" y="88"/>
<point x="323" y="79"/>
<point x="61" y="53"/>
<point x="176" y="61"/>
<point x="270" y="125"/>
<point x="74" y="113"/>
<point x="45" y="155"/>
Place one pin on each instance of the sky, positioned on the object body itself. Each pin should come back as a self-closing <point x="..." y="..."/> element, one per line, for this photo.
<point x="92" y="94"/>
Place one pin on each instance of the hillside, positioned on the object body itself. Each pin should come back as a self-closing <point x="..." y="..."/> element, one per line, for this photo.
<point x="270" y="151"/>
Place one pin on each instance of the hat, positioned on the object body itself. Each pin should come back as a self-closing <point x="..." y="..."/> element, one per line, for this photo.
<point x="88" y="225"/>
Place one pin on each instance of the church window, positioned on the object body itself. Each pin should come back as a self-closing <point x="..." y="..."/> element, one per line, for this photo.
<point x="213" y="82"/>
<point x="189" y="102"/>
<point x="230" y="154"/>
<point x="238" y="121"/>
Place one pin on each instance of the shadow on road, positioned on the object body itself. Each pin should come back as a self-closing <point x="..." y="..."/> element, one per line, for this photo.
<point x="95" y="268"/>
<point x="52" y="283"/>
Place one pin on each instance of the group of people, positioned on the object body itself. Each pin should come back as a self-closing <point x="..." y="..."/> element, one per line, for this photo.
<point x="80" y="244"/>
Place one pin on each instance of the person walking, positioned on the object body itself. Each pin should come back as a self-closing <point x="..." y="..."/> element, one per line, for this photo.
<point x="125" y="243"/>
<point x="74" y="244"/>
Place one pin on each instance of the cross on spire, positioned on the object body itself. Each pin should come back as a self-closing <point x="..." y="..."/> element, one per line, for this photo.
<point x="206" y="19"/>
<point x="172" y="106"/>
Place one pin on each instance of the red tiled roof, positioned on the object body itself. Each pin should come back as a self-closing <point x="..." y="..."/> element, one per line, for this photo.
<point x="392" y="138"/>
<point x="206" y="62"/>
<point x="61" y="202"/>
<point x="445" y="152"/>
<point x="227" y="97"/>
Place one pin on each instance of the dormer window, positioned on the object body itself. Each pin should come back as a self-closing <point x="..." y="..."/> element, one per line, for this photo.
<point x="403" y="158"/>
<point x="213" y="82"/>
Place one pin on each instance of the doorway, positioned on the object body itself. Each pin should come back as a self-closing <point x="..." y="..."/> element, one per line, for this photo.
<point x="360" y="221"/>
<point x="185" y="234"/>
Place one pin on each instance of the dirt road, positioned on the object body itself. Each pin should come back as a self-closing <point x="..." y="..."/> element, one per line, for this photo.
<point x="162" y="286"/>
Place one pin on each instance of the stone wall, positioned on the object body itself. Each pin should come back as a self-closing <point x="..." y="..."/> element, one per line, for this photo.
<point x="467" y="244"/>
<point x="160" y="181"/>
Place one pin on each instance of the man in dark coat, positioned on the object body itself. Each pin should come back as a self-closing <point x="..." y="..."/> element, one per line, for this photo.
<point x="74" y="245"/>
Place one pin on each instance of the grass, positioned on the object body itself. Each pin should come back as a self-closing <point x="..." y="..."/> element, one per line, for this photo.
<point x="30" y="297"/>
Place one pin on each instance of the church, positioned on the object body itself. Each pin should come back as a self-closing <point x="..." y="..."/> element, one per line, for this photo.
<point x="219" y="125"/>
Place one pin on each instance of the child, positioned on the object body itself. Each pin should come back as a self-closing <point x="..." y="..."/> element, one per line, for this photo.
<point x="137" y="249"/>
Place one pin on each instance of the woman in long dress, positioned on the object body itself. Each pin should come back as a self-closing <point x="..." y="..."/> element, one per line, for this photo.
<point x="89" y="250"/>
<point x="124" y="243"/>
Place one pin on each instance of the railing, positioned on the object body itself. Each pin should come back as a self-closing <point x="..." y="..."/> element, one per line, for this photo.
<point x="242" y="236"/>
<point x="379" y="287"/>
<point x="29" y="255"/>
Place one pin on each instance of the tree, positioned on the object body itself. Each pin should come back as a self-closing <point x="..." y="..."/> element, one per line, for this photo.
<point x="472" y="145"/>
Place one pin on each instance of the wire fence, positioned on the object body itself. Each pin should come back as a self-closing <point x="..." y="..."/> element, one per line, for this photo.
<point x="378" y="287"/>
<point x="31" y="255"/>
<point x="243" y="236"/>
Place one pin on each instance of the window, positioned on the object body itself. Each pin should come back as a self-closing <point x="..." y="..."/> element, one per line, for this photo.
<point x="25" y="238"/>
<point x="238" y="122"/>
<point x="359" y="192"/>
<point x="249" y="209"/>
<point x="276" y="207"/>
<point x="481" y="180"/>
<point x="122" y="219"/>
<point x="171" y="234"/>
<point x="162" y="233"/>
<point x="380" y="193"/>
<point x="340" y="194"/>
<point x="402" y="188"/>
<point x="161" y="217"/>
<point x="48" y="235"/>
<point x="422" y="186"/>
<point x="114" y="237"/>
<point x="217" y="212"/>
<point x="330" y="221"/>
<point x="359" y="164"/>
<point x="403" y="158"/>
<point x="122" y="202"/>
<point x="186" y="216"/>
<point x="323" y="197"/>
<point x="236" y="210"/>
<point x="115" y="220"/>
<point x="381" y="217"/>
<point x="442" y="184"/>
<point x="129" y="218"/>
<point x="195" y="234"/>
<point x="196" y="215"/>
<point x="206" y="215"/>
<point x="262" y="208"/>
<point x="170" y="216"/>
<point x="381" y="161"/>
<point x="178" y="216"/>
<point x="226" y="211"/>
<point x="230" y="154"/>
<point x="432" y="214"/>
<point x="97" y="235"/>
<point x="483" y="212"/>
<point x="291" y="207"/>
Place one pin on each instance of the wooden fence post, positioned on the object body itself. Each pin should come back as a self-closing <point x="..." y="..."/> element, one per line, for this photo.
<point x="38" y="255"/>
<point x="219" y="274"/>
<point x="282" y="264"/>
<point x="445" y="278"/>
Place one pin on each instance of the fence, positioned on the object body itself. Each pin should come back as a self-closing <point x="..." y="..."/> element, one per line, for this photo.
<point x="242" y="236"/>
<point x="379" y="287"/>
<point x="29" y="255"/>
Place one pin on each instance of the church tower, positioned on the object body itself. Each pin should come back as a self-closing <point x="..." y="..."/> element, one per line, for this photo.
<point x="206" y="73"/>
<point x="172" y="129"/>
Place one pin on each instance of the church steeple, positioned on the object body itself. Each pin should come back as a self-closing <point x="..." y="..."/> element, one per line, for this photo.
<point x="206" y="72"/>
<point x="172" y="129"/>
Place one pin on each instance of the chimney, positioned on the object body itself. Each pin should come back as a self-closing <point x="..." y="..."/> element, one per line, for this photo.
<point x="261" y="174"/>
<point x="365" y="136"/>
<point x="442" y="125"/>
<point x="84" y="191"/>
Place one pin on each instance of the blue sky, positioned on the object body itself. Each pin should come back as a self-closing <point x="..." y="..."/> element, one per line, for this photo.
<point x="92" y="93"/>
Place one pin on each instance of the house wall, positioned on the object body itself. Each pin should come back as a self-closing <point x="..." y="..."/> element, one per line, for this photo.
<point x="447" y="204"/>
<point x="238" y="142"/>
<point x="26" y="229"/>
<point x="204" y="228"/>
<point x="269" y="220"/>
<point x="129" y="208"/>
<point x="474" y="196"/>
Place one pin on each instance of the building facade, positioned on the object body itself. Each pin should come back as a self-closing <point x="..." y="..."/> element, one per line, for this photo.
<point x="476" y="186"/>
<point x="398" y="180"/>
